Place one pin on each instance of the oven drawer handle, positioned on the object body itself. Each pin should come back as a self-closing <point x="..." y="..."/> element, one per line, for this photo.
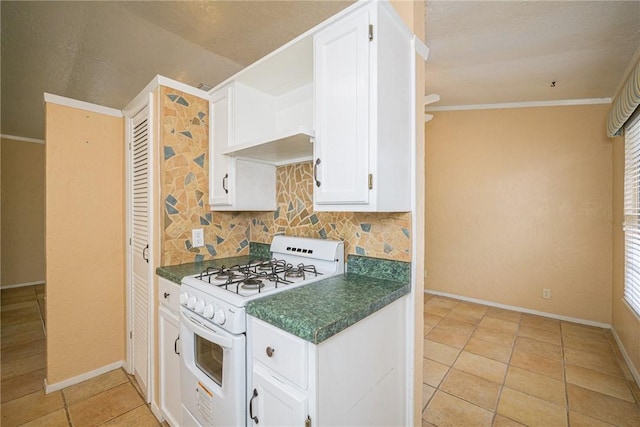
<point x="270" y="351"/>
<point x="175" y="346"/>
<point x="254" y="418"/>
<point x="221" y="337"/>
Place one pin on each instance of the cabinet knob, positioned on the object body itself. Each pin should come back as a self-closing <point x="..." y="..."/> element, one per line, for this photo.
<point x="166" y="295"/>
<point x="270" y="351"/>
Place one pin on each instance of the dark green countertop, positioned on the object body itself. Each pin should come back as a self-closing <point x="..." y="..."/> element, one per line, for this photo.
<point x="175" y="273"/>
<point x="320" y="310"/>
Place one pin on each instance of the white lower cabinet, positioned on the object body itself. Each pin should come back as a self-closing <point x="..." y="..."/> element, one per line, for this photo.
<point x="358" y="377"/>
<point x="169" y="352"/>
<point x="276" y="403"/>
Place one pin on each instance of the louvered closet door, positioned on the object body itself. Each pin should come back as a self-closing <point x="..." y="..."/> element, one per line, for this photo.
<point x="139" y="247"/>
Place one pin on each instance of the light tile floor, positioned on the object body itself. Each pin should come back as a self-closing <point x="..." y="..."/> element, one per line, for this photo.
<point x="485" y="366"/>
<point x="112" y="399"/>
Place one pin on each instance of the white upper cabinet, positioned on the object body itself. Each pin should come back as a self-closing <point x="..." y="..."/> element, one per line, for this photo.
<point x="273" y="107"/>
<point x="235" y="184"/>
<point x="364" y="101"/>
<point x="341" y="165"/>
<point x="221" y="136"/>
<point x="341" y="95"/>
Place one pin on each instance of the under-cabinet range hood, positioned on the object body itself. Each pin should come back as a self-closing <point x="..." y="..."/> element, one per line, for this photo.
<point x="292" y="146"/>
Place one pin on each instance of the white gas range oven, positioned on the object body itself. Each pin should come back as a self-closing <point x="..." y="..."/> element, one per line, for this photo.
<point x="213" y="323"/>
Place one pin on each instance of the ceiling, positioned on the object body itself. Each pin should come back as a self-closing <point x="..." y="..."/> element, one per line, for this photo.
<point x="481" y="52"/>
<point x="487" y="52"/>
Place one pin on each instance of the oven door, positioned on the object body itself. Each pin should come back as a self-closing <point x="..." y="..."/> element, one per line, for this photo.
<point x="213" y="372"/>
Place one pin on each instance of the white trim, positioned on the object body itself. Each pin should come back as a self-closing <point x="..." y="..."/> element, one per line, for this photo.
<point x="431" y="98"/>
<point x="558" y="103"/>
<point x="625" y="355"/>
<point x="21" y="138"/>
<point x="49" y="388"/>
<point x="22" y="285"/>
<point x="82" y="105"/>
<point x="155" y="410"/>
<point x="174" y="84"/>
<point x="521" y="309"/>
<point x="420" y="48"/>
<point x="410" y="320"/>
<point x="137" y="103"/>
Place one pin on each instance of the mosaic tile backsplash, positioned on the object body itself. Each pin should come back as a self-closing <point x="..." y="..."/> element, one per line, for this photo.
<point x="184" y="174"/>
<point x="377" y="235"/>
<point x="185" y="190"/>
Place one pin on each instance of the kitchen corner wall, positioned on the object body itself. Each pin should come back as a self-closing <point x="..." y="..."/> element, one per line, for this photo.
<point x="22" y="248"/>
<point x="519" y="200"/>
<point x="184" y="132"/>
<point x="184" y="172"/>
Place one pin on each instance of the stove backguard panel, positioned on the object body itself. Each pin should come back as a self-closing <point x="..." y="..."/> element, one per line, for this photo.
<point x="183" y="172"/>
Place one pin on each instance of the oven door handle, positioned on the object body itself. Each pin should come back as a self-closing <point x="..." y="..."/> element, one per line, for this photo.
<point x="216" y="336"/>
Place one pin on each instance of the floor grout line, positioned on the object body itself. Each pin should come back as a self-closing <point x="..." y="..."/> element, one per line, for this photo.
<point x="542" y="330"/>
<point x="66" y="406"/>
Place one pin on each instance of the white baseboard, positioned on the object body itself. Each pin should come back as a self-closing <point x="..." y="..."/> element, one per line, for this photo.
<point x="155" y="410"/>
<point x="521" y="309"/>
<point x="22" y="285"/>
<point x="48" y="388"/>
<point x="632" y="368"/>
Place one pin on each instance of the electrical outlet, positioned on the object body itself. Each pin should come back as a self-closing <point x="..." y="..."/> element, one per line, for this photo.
<point x="197" y="237"/>
<point x="546" y="293"/>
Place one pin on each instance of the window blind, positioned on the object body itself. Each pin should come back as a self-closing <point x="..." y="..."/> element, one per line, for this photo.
<point x="632" y="213"/>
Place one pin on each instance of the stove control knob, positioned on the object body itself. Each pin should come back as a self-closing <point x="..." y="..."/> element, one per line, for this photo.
<point x="199" y="307"/>
<point x="208" y="311"/>
<point x="183" y="298"/>
<point x="219" y="317"/>
<point x="191" y="302"/>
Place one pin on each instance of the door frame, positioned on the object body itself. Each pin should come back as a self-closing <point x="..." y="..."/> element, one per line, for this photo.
<point x="129" y="113"/>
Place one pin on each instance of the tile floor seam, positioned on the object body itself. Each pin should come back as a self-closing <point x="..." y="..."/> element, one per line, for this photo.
<point x="66" y="407"/>
<point x="564" y="376"/>
<point x="504" y="380"/>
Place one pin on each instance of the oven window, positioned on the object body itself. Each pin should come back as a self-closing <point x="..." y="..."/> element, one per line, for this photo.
<point x="209" y="358"/>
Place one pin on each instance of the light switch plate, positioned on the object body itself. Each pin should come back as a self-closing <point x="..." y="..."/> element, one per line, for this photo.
<point x="197" y="237"/>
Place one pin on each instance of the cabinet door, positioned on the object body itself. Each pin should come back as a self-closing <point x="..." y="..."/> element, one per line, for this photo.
<point x="170" y="400"/>
<point x="342" y="88"/>
<point x="276" y="404"/>
<point x="220" y="165"/>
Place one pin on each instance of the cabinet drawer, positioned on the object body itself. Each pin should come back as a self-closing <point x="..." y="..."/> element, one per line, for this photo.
<point x="280" y="351"/>
<point x="169" y="295"/>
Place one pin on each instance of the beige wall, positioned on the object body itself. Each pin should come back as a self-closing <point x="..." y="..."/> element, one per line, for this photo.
<point x="519" y="200"/>
<point x="85" y="267"/>
<point x="625" y="323"/>
<point x="22" y="212"/>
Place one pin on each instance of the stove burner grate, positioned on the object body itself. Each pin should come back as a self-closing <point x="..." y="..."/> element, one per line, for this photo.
<point x="252" y="284"/>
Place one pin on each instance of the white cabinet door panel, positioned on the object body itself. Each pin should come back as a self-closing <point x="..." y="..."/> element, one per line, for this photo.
<point x="277" y="404"/>
<point x="221" y="119"/>
<point x="341" y="156"/>
<point x="169" y="333"/>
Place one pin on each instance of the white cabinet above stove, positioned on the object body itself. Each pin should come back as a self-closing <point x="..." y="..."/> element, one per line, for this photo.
<point x="364" y="103"/>
<point x="235" y="184"/>
<point x="341" y="95"/>
<point x="272" y="107"/>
